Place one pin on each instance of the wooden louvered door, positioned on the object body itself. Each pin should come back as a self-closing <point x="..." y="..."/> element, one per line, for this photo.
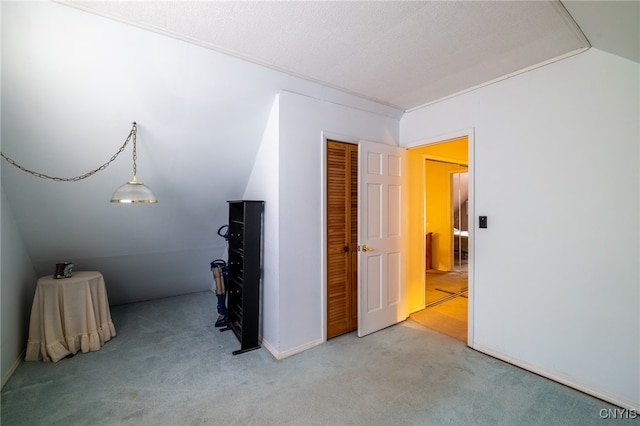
<point x="342" y="237"/>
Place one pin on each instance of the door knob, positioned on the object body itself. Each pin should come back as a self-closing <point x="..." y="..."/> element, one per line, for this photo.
<point x="366" y="248"/>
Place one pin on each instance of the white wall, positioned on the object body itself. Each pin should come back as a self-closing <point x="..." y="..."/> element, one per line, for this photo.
<point x="288" y="175"/>
<point x="302" y="122"/>
<point x="557" y="279"/>
<point x="263" y="185"/>
<point x="18" y="282"/>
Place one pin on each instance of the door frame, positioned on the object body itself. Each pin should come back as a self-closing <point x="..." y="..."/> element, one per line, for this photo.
<point x="469" y="134"/>
<point x="452" y="162"/>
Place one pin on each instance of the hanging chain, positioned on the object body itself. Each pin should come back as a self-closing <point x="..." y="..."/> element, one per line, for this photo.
<point x="132" y="134"/>
<point x="135" y="155"/>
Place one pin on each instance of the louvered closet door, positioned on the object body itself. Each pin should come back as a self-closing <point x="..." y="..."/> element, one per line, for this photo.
<point x="342" y="219"/>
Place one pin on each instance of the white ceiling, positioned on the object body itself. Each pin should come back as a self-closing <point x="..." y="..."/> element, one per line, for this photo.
<point x="402" y="54"/>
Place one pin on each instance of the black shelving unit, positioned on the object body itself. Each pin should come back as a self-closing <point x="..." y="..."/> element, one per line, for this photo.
<point x="245" y="272"/>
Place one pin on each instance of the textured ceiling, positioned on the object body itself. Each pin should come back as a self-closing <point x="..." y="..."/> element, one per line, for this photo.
<point x="403" y="54"/>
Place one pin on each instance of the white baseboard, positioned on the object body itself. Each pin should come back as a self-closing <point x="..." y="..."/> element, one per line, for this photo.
<point x="282" y="355"/>
<point x="12" y="370"/>
<point x="563" y="379"/>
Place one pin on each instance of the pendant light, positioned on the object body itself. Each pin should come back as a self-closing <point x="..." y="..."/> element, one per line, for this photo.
<point x="134" y="191"/>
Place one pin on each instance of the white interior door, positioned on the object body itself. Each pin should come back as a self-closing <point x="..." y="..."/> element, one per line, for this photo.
<point x="381" y="229"/>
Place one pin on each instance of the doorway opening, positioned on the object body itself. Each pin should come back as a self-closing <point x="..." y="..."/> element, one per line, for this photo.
<point x="445" y="222"/>
<point x="447" y="196"/>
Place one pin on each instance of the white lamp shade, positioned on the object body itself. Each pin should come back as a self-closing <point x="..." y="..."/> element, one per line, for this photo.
<point x="133" y="192"/>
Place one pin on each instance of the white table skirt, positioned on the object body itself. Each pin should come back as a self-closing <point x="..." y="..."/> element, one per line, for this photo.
<point x="69" y="315"/>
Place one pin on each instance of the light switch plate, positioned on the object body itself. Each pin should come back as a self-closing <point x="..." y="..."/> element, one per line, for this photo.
<point x="483" y="222"/>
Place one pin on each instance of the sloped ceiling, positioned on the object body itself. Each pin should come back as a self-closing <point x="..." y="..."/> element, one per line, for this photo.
<point x="403" y="54"/>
